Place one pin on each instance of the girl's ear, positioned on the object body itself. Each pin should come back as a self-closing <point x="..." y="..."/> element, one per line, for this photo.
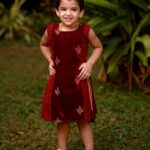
<point x="81" y="14"/>
<point x="57" y="12"/>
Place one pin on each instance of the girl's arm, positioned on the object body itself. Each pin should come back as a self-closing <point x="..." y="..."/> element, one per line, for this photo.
<point x="97" y="47"/>
<point x="86" y="68"/>
<point x="44" y="47"/>
<point x="46" y="52"/>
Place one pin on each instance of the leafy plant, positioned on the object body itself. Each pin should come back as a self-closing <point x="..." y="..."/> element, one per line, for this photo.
<point x="121" y="26"/>
<point x="14" y="22"/>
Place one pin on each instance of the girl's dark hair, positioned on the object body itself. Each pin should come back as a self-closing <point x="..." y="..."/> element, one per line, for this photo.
<point x="80" y="2"/>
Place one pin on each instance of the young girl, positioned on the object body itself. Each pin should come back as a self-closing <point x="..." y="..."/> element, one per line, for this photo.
<point x="69" y="94"/>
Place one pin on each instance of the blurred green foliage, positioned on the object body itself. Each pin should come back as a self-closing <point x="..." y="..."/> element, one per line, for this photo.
<point x="123" y="26"/>
<point x="15" y="23"/>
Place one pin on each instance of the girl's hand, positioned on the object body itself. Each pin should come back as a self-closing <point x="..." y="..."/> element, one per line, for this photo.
<point x="51" y="68"/>
<point x="86" y="69"/>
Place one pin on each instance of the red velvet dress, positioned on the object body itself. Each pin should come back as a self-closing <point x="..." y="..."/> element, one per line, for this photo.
<point x="66" y="97"/>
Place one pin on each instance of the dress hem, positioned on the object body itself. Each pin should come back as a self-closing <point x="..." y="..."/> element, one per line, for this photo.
<point x="60" y="121"/>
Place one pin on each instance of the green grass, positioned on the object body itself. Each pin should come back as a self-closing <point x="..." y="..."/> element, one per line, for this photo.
<point x="123" y="117"/>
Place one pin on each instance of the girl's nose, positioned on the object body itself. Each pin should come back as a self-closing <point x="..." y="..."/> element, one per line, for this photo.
<point x="68" y="12"/>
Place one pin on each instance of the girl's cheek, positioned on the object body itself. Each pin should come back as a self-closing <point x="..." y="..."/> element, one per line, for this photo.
<point x="62" y="14"/>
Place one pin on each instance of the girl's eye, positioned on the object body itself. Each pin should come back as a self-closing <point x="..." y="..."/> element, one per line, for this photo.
<point x="63" y="9"/>
<point x="74" y="9"/>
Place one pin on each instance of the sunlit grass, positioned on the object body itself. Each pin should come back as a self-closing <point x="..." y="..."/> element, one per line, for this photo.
<point x="122" y="122"/>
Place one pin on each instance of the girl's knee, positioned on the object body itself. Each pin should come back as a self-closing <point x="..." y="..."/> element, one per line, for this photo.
<point x="83" y="123"/>
<point x="61" y="148"/>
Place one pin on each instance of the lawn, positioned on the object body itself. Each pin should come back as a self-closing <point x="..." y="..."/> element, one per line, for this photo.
<point x="123" y="120"/>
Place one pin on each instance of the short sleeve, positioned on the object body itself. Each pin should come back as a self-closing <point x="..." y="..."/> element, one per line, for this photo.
<point x="50" y="28"/>
<point x="86" y="30"/>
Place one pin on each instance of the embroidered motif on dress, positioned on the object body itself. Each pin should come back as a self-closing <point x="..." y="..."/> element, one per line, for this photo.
<point x="77" y="80"/>
<point x="62" y="114"/>
<point x="57" y="61"/>
<point x="78" y="49"/>
<point x="79" y="110"/>
<point x="57" y="31"/>
<point x="57" y="91"/>
<point x="90" y="93"/>
<point x="58" y="120"/>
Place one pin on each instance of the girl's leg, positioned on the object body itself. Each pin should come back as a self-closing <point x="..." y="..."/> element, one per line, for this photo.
<point x="86" y="134"/>
<point x="63" y="134"/>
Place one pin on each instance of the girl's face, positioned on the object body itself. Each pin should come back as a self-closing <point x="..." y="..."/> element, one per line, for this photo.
<point x="69" y="12"/>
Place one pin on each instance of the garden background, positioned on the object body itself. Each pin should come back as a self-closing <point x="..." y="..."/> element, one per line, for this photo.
<point x="121" y="77"/>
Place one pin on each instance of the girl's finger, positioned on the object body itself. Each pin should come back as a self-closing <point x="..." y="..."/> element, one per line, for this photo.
<point x="83" y="75"/>
<point x="81" y="66"/>
<point x="51" y="72"/>
<point x="87" y="75"/>
<point x="52" y="69"/>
